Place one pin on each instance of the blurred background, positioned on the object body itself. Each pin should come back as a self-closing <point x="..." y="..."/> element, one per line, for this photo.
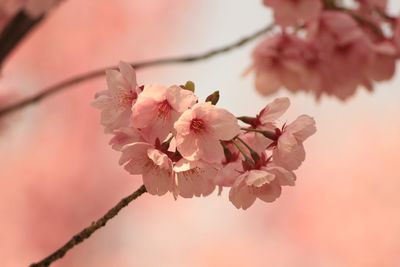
<point x="58" y="174"/>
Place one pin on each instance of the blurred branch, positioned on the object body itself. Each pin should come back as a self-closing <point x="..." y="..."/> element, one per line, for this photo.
<point x="15" y="31"/>
<point x="100" y="72"/>
<point x="88" y="231"/>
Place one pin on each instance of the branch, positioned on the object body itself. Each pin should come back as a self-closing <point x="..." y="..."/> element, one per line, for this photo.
<point x="15" y="31"/>
<point x="88" y="231"/>
<point x="100" y="72"/>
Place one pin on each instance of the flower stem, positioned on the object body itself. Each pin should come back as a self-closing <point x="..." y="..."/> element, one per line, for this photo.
<point x="268" y="134"/>
<point x="253" y="154"/>
<point x="88" y="231"/>
<point x="242" y="152"/>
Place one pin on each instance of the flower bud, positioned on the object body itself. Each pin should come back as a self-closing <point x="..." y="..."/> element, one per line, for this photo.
<point x="189" y="85"/>
<point x="213" y="98"/>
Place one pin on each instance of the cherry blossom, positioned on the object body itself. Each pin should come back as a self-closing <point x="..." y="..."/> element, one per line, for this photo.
<point x="278" y="62"/>
<point x="194" y="178"/>
<point x="157" y="109"/>
<point x="333" y="52"/>
<point x="289" y="150"/>
<point x="154" y="165"/>
<point x="272" y="112"/>
<point x="294" y="12"/>
<point x="231" y="166"/>
<point x="116" y="102"/>
<point x="188" y="147"/>
<point x="264" y="183"/>
<point x="381" y="4"/>
<point x="200" y="129"/>
<point x="124" y="136"/>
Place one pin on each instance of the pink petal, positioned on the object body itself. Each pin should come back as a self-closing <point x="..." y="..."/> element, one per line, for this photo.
<point x="258" y="178"/>
<point x="155" y="91"/>
<point x="223" y="124"/>
<point x="144" y="112"/>
<point x="240" y="195"/>
<point x="229" y="173"/>
<point x="283" y="176"/>
<point x="182" y="125"/>
<point x="209" y="149"/>
<point x="128" y="73"/>
<point x="269" y="192"/>
<point x="194" y="178"/>
<point x="180" y="99"/>
<point x="187" y="146"/>
<point x="288" y="153"/>
<point x="125" y="136"/>
<point x="135" y="158"/>
<point x="302" y="128"/>
<point x="267" y="83"/>
<point x="157" y="181"/>
<point x="116" y="82"/>
<point x="274" y="110"/>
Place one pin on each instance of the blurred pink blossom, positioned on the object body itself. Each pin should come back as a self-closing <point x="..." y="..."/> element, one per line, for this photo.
<point x="294" y="12"/>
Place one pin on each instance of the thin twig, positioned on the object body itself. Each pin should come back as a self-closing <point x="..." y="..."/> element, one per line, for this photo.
<point x="88" y="231"/>
<point x="15" y="31"/>
<point x="100" y="72"/>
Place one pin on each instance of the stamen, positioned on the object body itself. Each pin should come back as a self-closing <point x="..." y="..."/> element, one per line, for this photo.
<point x="124" y="98"/>
<point x="163" y="110"/>
<point x="197" y="125"/>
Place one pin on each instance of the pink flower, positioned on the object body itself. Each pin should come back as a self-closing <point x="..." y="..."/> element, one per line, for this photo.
<point x="345" y="55"/>
<point x="157" y="109"/>
<point x="294" y="12"/>
<point x="116" y="102"/>
<point x="288" y="151"/>
<point x="194" y="178"/>
<point x="124" y="136"/>
<point x="264" y="183"/>
<point x="227" y="175"/>
<point x="155" y="167"/>
<point x="272" y="112"/>
<point x="383" y="64"/>
<point x="278" y="61"/>
<point x="381" y="4"/>
<point x="231" y="167"/>
<point x="266" y="120"/>
<point x="349" y="66"/>
<point x="200" y="129"/>
<point x="333" y="29"/>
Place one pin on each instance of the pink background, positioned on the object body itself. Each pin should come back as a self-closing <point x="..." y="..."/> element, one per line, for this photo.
<point x="58" y="174"/>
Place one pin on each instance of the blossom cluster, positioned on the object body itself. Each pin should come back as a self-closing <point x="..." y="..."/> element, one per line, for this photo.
<point x="188" y="147"/>
<point x="327" y="47"/>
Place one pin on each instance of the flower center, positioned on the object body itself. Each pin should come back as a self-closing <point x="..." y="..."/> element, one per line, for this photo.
<point x="125" y="98"/>
<point x="197" y="125"/>
<point x="163" y="110"/>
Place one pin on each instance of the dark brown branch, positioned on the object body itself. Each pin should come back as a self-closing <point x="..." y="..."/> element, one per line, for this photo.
<point x="100" y="72"/>
<point x="88" y="231"/>
<point x="15" y="31"/>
